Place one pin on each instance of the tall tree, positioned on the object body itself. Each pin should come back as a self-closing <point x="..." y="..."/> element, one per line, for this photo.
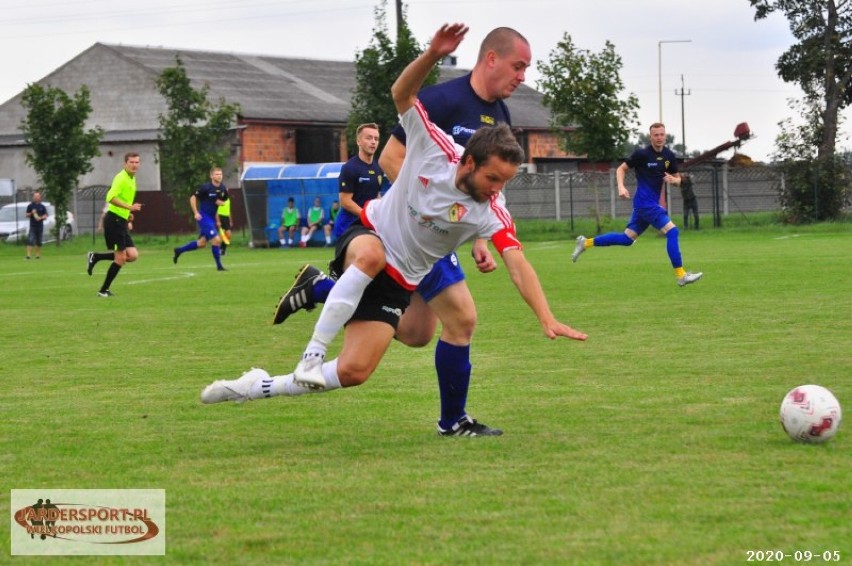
<point x="584" y="93"/>
<point x="811" y="190"/>
<point x="376" y="69"/>
<point x="821" y="62"/>
<point x="60" y="148"/>
<point x="192" y="134"/>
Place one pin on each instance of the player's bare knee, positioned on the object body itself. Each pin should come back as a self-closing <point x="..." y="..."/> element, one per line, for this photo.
<point x="352" y="374"/>
<point x="370" y="260"/>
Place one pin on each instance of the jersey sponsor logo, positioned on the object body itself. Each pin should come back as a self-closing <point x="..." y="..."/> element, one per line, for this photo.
<point x="363" y="179"/>
<point x="457" y="212"/>
<point x="396" y="312"/>
<point x="423" y="181"/>
<point x="458" y="130"/>
<point x="427" y="222"/>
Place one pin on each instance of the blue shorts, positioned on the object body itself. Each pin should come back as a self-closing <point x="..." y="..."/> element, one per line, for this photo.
<point x="655" y="216"/>
<point x="447" y="271"/>
<point x="207" y="228"/>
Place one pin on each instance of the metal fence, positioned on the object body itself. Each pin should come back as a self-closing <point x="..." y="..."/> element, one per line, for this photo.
<point x="720" y="191"/>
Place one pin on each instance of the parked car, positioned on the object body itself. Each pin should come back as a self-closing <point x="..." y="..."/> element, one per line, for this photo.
<point x="14" y="224"/>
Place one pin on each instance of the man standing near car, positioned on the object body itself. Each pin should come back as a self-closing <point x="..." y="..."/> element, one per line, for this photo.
<point x="37" y="213"/>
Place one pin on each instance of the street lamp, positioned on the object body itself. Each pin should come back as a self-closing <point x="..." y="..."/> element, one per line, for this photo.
<point x="660" y="67"/>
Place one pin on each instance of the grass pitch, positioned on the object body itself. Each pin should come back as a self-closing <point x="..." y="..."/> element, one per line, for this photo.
<point x="655" y="442"/>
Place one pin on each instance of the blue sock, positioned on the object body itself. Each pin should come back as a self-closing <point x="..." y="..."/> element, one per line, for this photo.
<point x="673" y="247"/>
<point x="322" y="289"/>
<point x="453" y="366"/>
<point x="613" y="239"/>
<point x="217" y="255"/>
<point x="193" y="245"/>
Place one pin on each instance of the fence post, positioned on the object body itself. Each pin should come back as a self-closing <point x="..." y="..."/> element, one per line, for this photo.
<point x="725" y="188"/>
<point x="571" y="197"/>
<point x="558" y="192"/>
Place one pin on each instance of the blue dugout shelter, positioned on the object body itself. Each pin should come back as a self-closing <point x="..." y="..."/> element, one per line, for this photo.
<point x="267" y="186"/>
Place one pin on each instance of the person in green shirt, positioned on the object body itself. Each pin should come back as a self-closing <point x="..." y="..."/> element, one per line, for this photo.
<point x="224" y="215"/>
<point x="289" y="220"/>
<point x="329" y="226"/>
<point x="117" y="223"/>
<point x="315" y="218"/>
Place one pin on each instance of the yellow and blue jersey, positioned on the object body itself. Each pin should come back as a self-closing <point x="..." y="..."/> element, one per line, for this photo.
<point x="650" y="167"/>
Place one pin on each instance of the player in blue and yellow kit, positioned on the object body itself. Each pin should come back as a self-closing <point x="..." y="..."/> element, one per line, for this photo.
<point x="205" y="206"/>
<point x="654" y="165"/>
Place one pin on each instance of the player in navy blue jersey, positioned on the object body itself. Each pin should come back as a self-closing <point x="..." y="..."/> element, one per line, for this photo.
<point x="459" y="107"/>
<point x="205" y="205"/>
<point x="360" y="178"/>
<point x="654" y="165"/>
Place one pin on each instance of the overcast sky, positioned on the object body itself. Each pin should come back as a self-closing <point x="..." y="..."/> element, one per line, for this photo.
<point x="728" y="67"/>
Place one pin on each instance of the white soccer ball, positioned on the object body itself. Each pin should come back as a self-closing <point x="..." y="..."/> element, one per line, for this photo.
<point x="810" y="413"/>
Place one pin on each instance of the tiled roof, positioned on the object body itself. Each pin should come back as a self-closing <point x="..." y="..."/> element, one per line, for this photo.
<point x="124" y="95"/>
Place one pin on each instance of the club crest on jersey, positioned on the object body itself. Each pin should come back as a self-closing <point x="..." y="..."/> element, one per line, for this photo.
<point x="486" y="119"/>
<point x="457" y="212"/>
<point x="423" y="181"/>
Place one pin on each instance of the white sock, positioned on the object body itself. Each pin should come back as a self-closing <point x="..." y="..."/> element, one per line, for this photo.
<point x="338" y="309"/>
<point x="285" y="384"/>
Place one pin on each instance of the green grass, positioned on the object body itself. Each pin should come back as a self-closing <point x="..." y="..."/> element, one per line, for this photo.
<point x="655" y="442"/>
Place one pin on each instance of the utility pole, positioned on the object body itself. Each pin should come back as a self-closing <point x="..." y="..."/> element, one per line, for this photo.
<point x="398" y="19"/>
<point x="660" y="67"/>
<point x="682" y="93"/>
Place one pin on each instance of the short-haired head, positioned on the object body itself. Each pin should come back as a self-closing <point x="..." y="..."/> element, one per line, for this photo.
<point x="371" y="125"/>
<point x="500" y="40"/>
<point x="497" y="141"/>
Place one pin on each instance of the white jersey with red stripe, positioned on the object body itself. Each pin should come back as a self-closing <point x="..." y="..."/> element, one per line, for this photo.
<point x="425" y="216"/>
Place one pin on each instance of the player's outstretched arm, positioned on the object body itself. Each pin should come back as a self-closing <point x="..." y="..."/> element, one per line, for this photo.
<point x="526" y="280"/>
<point x="408" y="83"/>
<point x="619" y="176"/>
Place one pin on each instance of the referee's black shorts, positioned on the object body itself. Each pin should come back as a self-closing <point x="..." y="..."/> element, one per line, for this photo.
<point x="115" y="232"/>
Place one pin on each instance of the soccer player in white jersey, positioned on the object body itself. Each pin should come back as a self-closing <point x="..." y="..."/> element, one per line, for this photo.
<point x="443" y="196"/>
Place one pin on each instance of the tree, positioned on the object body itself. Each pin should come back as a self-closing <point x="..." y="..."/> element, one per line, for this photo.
<point x="810" y="190"/>
<point x="584" y="93"/>
<point x="60" y="148"/>
<point x="376" y="69"/>
<point x="192" y="134"/>
<point x="821" y="64"/>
